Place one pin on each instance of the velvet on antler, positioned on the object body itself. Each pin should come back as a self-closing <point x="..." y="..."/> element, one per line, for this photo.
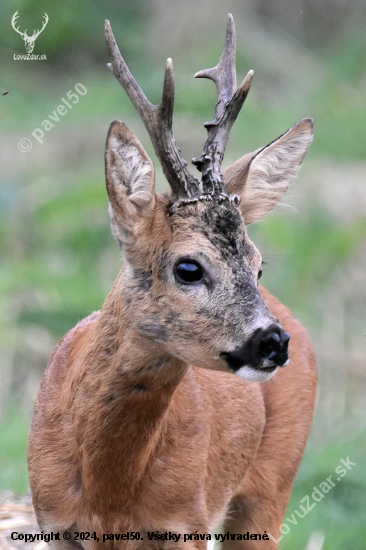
<point x="158" y="121"/>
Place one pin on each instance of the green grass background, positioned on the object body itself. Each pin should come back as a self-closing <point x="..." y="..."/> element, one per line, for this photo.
<point x="58" y="259"/>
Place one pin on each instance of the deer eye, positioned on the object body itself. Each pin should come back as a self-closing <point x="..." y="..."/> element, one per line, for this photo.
<point x="188" y="272"/>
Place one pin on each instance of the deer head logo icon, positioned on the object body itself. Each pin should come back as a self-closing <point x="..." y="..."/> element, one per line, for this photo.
<point x="29" y="40"/>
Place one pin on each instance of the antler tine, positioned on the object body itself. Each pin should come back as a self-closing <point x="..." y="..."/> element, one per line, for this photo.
<point x="230" y="101"/>
<point x="158" y="121"/>
<point x="125" y="78"/>
<point x="38" y="32"/>
<point x="14" y="18"/>
<point x="46" y="19"/>
<point x="224" y="74"/>
<point x="13" y="21"/>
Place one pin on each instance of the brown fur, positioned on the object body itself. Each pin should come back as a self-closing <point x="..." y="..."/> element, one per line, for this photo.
<point x="127" y="435"/>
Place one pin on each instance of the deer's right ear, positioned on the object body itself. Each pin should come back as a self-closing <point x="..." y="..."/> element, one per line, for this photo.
<point x="130" y="184"/>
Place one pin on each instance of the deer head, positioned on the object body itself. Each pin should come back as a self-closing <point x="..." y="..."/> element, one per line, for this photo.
<point x="191" y="271"/>
<point x="29" y="40"/>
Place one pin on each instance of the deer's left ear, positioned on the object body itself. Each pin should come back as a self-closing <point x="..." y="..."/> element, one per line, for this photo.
<point x="261" y="178"/>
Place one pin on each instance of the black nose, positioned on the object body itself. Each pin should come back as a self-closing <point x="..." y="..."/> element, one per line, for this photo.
<point x="273" y="345"/>
<point x="266" y="349"/>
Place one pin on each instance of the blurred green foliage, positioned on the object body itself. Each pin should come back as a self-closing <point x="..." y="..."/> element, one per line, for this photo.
<point x="339" y="515"/>
<point x="312" y="246"/>
<point x="58" y="259"/>
<point x="75" y="29"/>
<point x="13" y="449"/>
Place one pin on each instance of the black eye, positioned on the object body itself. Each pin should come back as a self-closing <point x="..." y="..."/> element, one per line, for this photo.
<point x="260" y="273"/>
<point x="188" y="272"/>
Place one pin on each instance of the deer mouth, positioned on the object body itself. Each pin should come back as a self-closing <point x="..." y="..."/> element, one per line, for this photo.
<point x="255" y="374"/>
<point x="236" y="363"/>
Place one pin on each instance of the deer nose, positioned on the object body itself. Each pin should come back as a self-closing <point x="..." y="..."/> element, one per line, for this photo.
<point x="273" y="345"/>
<point x="265" y="349"/>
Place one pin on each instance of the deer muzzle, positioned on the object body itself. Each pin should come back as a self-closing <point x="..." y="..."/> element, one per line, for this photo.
<point x="265" y="350"/>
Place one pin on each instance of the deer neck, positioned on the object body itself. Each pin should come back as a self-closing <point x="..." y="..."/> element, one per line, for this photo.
<point x="131" y="383"/>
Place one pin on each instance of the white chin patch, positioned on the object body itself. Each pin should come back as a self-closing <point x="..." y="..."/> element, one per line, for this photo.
<point x="254" y="375"/>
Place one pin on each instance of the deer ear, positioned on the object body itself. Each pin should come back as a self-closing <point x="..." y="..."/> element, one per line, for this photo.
<point x="130" y="184"/>
<point x="262" y="178"/>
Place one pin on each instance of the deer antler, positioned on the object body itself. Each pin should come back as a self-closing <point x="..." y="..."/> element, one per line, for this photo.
<point x="158" y="121"/>
<point x="230" y="101"/>
<point x="13" y="21"/>
<point x="37" y="32"/>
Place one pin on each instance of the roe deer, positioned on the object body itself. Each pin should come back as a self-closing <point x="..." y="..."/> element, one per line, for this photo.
<point x="150" y="417"/>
